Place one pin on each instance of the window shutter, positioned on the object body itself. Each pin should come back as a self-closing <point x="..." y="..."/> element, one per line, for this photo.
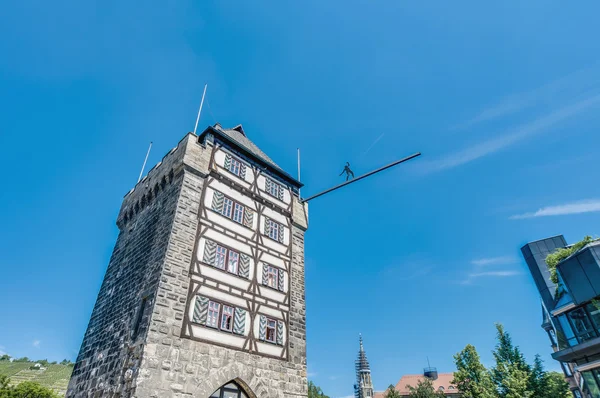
<point x="217" y="202"/>
<point x="265" y="276"/>
<point x="267" y="226"/>
<point x="228" y="162"/>
<point x="280" y="277"/>
<point x="244" y="265"/>
<point x="267" y="184"/>
<point x="242" y="171"/>
<point x="280" y="193"/>
<point x="200" y="310"/>
<point x="262" y="329"/>
<point x="248" y="217"/>
<point x="239" y="323"/>
<point x="280" y="235"/>
<point x="279" y="332"/>
<point x="210" y="252"/>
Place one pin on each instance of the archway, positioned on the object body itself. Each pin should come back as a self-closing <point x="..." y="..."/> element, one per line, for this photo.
<point x="230" y="390"/>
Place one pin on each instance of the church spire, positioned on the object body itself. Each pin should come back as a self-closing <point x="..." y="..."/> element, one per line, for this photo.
<point x="363" y="387"/>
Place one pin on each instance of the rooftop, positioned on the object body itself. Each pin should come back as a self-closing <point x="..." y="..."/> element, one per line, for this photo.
<point x="444" y="380"/>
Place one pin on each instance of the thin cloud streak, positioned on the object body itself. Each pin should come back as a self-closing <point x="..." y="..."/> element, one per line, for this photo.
<point x="493" y="261"/>
<point x="558" y="88"/>
<point x="584" y="206"/>
<point x="373" y="144"/>
<point x="490" y="274"/>
<point x="36" y="343"/>
<point x="519" y="133"/>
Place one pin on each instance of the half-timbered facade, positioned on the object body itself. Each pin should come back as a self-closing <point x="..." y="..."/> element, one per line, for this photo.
<point x="204" y="293"/>
<point x="239" y="294"/>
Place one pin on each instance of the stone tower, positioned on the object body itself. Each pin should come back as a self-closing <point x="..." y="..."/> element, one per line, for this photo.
<point x="364" y="386"/>
<point x="204" y="293"/>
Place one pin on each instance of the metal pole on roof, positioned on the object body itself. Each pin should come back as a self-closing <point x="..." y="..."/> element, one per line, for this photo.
<point x="299" y="171"/>
<point x="145" y="160"/>
<point x="200" y="110"/>
<point x="361" y="177"/>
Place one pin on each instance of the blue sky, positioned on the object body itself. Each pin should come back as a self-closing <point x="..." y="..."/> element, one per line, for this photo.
<point x="502" y="100"/>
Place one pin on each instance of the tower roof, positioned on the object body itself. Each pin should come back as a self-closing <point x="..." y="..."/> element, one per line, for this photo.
<point x="238" y="138"/>
<point x="362" y="363"/>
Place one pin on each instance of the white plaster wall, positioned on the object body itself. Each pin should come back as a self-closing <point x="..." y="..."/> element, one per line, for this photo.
<point x="272" y="294"/>
<point x="207" y="333"/>
<point x="230" y="279"/>
<point x="219" y="295"/>
<point x="270" y="312"/>
<point x="271" y="259"/>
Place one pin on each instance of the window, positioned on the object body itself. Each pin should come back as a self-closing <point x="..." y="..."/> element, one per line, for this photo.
<point x="566" y="327"/>
<point x="591" y="382"/>
<point x="272" y="274"/>
<point x="566" y="369"/>
<point x="227" y="207"/>
<point x="274" y="230"/>
<point x="581" y="324"/>
<point x="220" y="257"/>
<point x="238" y="213"/>
<point x="235" y="166"/>
<point x="227" y="318"/>
<point x="213" y="314"/>
<point x="271" y="330"/>
<point x="577" y="394"/>
<point x="272" y="188"/>
<point x="232" y="264"/>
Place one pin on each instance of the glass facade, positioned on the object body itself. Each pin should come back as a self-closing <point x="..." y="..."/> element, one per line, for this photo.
<point x="592" y="381"/>
<point x="580" y="324"/>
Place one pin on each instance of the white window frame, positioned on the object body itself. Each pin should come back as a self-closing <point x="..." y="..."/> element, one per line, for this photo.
<point x="235" y="167"/>
<point x="212" y="319"/>
<point x="274" y="189"/>
<point x="227" y="209"/>
<point x="227" y="313"/>
<point x="221" y="252"/>
<point x="274" y="230"/>
<point x="238" y="212"/>
<point x="274" y="273"/>
<point x="233" y="266"/>
<point x="274" y="328"/>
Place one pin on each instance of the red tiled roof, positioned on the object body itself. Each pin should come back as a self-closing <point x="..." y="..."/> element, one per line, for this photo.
<point x="444" y="380"/>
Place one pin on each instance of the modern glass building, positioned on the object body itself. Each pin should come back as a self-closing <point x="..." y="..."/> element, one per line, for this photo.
<point x="571" y="310"/>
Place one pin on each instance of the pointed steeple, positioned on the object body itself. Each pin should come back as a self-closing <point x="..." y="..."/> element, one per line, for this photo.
<point x="363" y="387"/>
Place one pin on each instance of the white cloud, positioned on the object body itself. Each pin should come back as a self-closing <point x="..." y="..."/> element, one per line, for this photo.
<point x="584" y="206"/>
<point x="311" y="374"/>
<point x="348" y="396"/>
<point x="511" y="137"/>
<point x="491" y="274"/>
<point x="36" y="343"/>
<point x="481" y="262"/>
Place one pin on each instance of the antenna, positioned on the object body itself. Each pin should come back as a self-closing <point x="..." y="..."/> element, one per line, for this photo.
<point x="428" y="364"/>
<point x="200" y="110"/>
<point x="299" y="172"/>
<point x="144" y="165"/>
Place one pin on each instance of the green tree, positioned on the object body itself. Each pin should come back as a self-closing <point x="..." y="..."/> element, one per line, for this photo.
<point x="472" y="378"/>
<point x="425" y="390"/>
<point x="5" y="357"/>
<point x="27" y="389"/>
<point x="512" y="374"/>
<point x="65" y="362"/>
<point x="556" y="386"/>
<point x="315" y="391"/>
<point x="391" y="392"/>
<point x="537" y="378"/>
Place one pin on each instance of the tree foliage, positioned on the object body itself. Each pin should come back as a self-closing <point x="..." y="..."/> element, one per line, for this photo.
<point x="553" y="259"/>
<point x="425" y="390"/>
<point x="391" y="392"/>
<point x="5" y="357"/>
<point x="26" y="389"/>
<point x="315" y="391"/>
<point x="472" y="378"/>
<point x="511" y="376"/>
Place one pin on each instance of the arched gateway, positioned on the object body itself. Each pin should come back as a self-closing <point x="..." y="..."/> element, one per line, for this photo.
<point x="230" y="390"/>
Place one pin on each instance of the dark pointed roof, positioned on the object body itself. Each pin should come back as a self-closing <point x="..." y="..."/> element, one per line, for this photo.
<point x="362" y="363"/>
<point x="237" y="136"/>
